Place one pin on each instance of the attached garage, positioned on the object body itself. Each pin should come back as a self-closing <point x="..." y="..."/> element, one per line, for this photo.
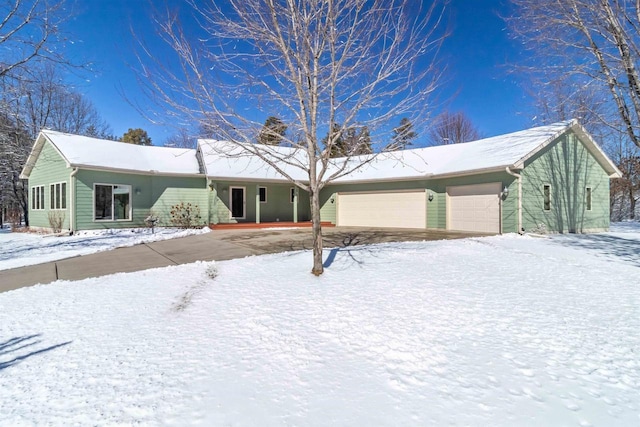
<point x="474" y="207"/>
<point x="398" y="209"/>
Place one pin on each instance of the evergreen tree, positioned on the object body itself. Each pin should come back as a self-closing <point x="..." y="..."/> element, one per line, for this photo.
<point x="136" y="136"/>
<point x="403" y="136"/>
<point x="272" y="132"/>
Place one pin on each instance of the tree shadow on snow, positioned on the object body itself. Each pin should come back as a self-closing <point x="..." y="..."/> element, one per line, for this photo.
<point x="627" y="250"/>
<point x="352" y="244"/>
<point x="14" y="346"/>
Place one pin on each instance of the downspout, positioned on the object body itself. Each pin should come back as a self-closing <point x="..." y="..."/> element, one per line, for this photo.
<point x="72" y="198"/>
<point x="519" y="178"/>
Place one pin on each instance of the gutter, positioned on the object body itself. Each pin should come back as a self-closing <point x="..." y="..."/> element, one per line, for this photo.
<point x="72" y="194"/>
<point x="519" y="178"/>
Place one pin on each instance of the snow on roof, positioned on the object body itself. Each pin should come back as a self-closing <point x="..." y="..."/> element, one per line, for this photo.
<point x="484" y="154"/>
<point x="83" y="151"/>
<point x="226" y="160"/>
<point x="234" y="161"/>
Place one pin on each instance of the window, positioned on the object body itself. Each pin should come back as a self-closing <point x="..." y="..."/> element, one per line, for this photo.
<point x="112" y="202"/>
<point x="263" y="194"/>
<point x="58" y="195"/>
<point x="292" y="196"/>
<point x="587" y="196"/>
<point x="546" y="190"/>
<point x="37" y="197"/>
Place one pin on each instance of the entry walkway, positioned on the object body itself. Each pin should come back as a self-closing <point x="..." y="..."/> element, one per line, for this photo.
<point x="217" y="245"/>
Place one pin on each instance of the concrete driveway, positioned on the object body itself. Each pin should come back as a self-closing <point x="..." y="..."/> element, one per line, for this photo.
<point x="217" y="245"/>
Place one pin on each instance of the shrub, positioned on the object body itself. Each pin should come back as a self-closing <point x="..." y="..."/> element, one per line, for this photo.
<point x="56" y="220"/>
<point x="185" y="215"/>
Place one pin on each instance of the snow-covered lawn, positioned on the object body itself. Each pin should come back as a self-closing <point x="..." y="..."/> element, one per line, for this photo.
<point x="20" y="249"/>
<point x="498" y="331"/>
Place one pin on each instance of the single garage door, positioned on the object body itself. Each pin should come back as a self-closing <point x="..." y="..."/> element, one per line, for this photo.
<point x="383" y="209"/>
<point x="474" y="207"/>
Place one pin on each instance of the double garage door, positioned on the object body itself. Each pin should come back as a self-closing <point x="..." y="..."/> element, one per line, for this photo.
<point x="400" y="209"/>
<point x="474" y="208"/>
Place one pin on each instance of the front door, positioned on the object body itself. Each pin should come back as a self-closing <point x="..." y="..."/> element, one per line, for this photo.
<point x="237" y="201"/>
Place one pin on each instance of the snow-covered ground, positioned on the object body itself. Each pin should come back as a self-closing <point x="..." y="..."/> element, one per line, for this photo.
<point x="498" y="331"/>
<point x="20" y="249"/>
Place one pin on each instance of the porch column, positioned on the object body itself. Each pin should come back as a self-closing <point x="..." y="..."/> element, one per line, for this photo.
<point x="257" y="204"/>
<point x="295" y="204"/>
<point x="213" y="211"/>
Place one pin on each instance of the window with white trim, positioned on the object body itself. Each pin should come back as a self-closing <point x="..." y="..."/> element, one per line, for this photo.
<point x="546" y="194"/>
<point x="111" y="202"/>
<point x="263" y="194"/>
<point x="58" y="194"/>
<point x="37" y="198"/>
<point x="587" y="198"/>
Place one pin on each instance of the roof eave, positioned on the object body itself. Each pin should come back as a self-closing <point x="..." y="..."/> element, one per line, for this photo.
<point x="491" y="169"/>
<point x="135" y="172"/>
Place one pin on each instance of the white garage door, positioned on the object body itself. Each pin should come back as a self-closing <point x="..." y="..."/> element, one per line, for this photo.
<point x="474" y="207"/>
<point x="383" y="209"/>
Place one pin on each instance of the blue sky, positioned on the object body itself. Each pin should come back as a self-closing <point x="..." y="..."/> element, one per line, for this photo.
<point x="477" y="55"/>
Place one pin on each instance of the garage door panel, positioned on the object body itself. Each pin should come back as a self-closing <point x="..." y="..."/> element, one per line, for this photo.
<point x="474" y="207"/>
<point x="383" y="209"/>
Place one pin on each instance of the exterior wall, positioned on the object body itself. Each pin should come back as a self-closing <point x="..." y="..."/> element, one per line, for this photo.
<point x="50" y="168"/>
<point x="149" y="194"/>
<point x="568" y="167"/>
<point x="436" y="208"/>
<point x="277" y="208"/>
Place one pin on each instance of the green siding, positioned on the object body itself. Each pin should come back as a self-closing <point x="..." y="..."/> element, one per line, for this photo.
<point x="50" y="168"/>
<point x="568" y="167"/>
<point x="149" y="194"/>
<point x="277" y="208"/>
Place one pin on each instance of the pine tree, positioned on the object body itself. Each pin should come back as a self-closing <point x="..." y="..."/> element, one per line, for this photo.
<point x="403" y="136"/>
<point x="136" y="136"/>
<point x="272" y="132"/>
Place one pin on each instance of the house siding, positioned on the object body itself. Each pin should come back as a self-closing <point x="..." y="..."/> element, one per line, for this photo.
<point x="50" y="168"/>
<point x="148" y="194"/>
<point x="568" y="167"/>
<point x="277" y="208"/>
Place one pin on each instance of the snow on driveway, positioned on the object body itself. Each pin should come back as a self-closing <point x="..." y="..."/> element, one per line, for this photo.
<point x="498" y="331"/>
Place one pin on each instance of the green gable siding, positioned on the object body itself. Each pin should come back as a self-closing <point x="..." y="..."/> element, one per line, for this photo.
<point x="149" y="193"/>
<point x="277" y="208"/>
<point x="568" y="167"/>
<point x="50" y="168"/>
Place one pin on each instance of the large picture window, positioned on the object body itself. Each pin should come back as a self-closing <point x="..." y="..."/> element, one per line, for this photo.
<point x="37" y="198"/>
<point x="58" y="193"/>
<point x="112" y="202"/>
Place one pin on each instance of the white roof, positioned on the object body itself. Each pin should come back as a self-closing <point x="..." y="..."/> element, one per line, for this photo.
<point x="234" y="161"/>
<point x="493" y="153"/>
<point x="92" y="153"/>
<point x="224" y="160"/>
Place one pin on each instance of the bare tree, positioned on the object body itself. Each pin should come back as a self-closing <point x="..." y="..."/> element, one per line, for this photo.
<point x="181" y="139"/>
<point x="452" y="128"/>
<point x="588" y="42"/>
<point x="31" y="100"/>
<point x="30" y="29"/>
<point x="313" y="63"/>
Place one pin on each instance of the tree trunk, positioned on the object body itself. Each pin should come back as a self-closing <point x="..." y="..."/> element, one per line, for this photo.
<point x="632" y="203"/>
<point x="316" y="228"/>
